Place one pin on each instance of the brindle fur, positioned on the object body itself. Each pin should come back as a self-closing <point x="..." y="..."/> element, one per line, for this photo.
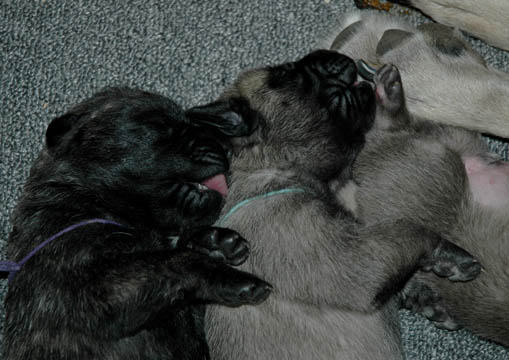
<point x="133" y="292"/>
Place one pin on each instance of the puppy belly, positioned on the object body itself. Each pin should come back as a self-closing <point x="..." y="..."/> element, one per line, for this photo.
<point x="288" y="331"/>
<point x="489" y="183"/>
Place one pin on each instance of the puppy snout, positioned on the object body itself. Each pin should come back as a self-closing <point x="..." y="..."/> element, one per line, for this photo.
<point x="333" y="64"/>
<point x="342" y="68"/>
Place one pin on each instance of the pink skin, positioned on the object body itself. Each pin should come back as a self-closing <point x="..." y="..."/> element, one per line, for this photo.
<point x="489" y="183"/>
<point x="217" y="183"/>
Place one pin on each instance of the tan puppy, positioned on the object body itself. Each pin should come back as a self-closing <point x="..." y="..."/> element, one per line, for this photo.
<point x="441" y="177"/>
<point x="445" y="80"/>
<point x="334" y="279"/>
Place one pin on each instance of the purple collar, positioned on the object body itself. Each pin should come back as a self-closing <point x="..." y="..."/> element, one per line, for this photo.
<point x="13" y="267"/>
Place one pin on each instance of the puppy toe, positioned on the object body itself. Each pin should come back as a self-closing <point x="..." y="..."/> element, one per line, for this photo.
<point x="234" y="248"/>
<point x="221" y="244"/>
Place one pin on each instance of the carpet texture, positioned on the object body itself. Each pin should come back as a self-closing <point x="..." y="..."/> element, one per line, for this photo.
<point x="54" y="53"/>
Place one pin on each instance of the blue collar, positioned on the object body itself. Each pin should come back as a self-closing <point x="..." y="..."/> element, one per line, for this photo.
<point x="247" y="201"/>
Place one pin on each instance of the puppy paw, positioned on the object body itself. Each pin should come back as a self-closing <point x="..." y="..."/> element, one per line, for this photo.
<point x="389" y="90"/>
<point x="194" y="201"/>
<point x="228" y="286"/>
<point x="452" y="262"/>
<point x="246" y="292"/>
<point x="221" y="244"/>
<point x="421" y="299"/>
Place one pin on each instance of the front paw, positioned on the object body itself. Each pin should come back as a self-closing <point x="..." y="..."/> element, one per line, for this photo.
<point x="389" y="90"/>
<point x="452" y="262"/>
<point x="228" y="286"/>
<point x="221" y="244"/>
<point x="194" y="201"/>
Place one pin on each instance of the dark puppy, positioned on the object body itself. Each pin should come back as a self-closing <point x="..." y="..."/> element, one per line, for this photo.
<point x="132" y="285"/>
<point x="333" y="278"/>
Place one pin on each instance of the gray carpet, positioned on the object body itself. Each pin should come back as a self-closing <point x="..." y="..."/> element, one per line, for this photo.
<point x="55" y="53"/>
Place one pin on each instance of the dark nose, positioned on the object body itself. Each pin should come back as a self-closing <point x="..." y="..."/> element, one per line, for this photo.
<point x="331" y="63"/>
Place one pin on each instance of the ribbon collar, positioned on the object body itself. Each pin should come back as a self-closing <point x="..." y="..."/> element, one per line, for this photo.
<point x="251" y="199"/>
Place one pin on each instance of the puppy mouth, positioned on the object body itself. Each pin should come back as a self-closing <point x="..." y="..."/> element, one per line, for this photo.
<point x="216" y="183"/>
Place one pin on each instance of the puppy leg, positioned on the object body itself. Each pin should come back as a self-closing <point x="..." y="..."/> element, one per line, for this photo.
<point x="137" y="287"/>
<point x="220" y="283"/>
<point x="380" y="259"/>
<point x="418" y="249"/>
<point x="391" y="109"/>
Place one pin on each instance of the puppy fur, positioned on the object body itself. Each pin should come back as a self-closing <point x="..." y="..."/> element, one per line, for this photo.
<point x="135" y="291"/>
<point x="333" y="278"/>
<point x="486" y="20"/>
<point x="445" y="80"/>
<point x="420" y="171"/>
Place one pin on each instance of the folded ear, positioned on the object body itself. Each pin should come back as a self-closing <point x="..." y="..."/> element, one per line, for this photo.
<point x="58" y="128"/>
<point x="346" y="35"/>
<point x="233" y="117"/>
<point x="391" y="39"/>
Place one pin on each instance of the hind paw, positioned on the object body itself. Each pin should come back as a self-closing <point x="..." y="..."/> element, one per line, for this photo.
<point x="452" y="262"/>
<point x="389" y="90"/>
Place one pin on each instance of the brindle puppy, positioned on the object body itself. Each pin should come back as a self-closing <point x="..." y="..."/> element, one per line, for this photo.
<point x="333" y="278"/>
<point x="131" y="285"/>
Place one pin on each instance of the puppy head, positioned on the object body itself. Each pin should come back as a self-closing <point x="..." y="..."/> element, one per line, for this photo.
<point x="312" y="113"/>
<point x="140" y="150"/>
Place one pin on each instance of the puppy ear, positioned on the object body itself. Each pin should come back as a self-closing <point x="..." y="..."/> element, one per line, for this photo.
<point x="233" y="117"/>
<point x="391" y="39"/>
<point x="346" y="35"/>
<point x="58" y="128"/>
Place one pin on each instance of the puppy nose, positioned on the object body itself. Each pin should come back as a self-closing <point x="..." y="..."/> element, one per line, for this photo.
<point x="339" y="66"/>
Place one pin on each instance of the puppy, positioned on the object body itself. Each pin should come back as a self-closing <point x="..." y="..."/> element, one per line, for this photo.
<point x="129" y="184"/>
<point x="333" y="278"/>
<point x="443" y="178"/>
<point x="446" y="81"/>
